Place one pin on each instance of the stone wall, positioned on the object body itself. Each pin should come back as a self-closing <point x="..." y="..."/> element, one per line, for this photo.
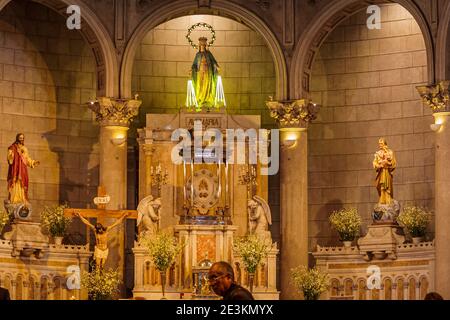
<point x="47" y="72"/>
<point x="162" y="64"/>
<point x="365" y="80"/>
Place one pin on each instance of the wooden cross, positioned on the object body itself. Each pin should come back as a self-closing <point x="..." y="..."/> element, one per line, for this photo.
<point x="101" y="213"/>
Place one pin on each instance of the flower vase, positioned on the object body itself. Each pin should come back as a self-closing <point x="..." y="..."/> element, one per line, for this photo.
<point x="58" y="240"/>
<point x="163" y="284"/>
<point x="417" y="240"/>
<point x="251" y="277"/>
<point x="347" y="244"/>
<point x="311" y="296"/>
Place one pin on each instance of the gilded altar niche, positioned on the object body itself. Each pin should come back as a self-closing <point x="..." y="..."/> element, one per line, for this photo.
<point x="204" y="201"/>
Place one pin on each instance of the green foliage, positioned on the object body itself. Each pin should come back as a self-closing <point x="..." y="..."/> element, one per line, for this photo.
<point x="4" y="219"/>
<point x="101" y="284"/>
<point x="252" y="250"/>
<point x="162" y="248"/>
<point x="54" y="221"/>
<point x="311" y="282"/>
<point x="346" y="222"/>
<point x="415" y="220"/>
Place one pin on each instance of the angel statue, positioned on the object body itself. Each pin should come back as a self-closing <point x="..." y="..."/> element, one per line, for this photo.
<point x="149" y="215"/>
<point x="259" y="217"/>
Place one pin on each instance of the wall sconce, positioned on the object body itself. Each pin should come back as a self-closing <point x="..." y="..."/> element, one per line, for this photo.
<point x="435" y="126"/>
<point x="118" y="141"/>
<point x="290" y="140"/>
<point x="439" y="120"/>
<point x="288" y="144"/>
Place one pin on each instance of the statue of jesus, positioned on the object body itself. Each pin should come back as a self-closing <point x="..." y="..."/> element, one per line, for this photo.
<point x="19" y="160"/>
<point x="384" y="164"/>
<point x="101" y="238"/>
<point x="204" y="72"/>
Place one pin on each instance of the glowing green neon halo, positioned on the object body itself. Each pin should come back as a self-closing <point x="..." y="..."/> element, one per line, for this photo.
<point x="195" y="26"/>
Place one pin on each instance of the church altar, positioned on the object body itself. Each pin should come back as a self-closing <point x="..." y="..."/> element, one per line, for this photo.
<point x="207" y="222"/>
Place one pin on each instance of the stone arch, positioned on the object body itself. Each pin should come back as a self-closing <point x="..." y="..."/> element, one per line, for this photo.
<point x="348" y="287"/>
<point x="443" y="46"/>
<point x="387" y="284"/>
<point x="58" y="284"/>
<point x="334" y="287"/>
<point x="316" y="33"/>
<point x="400" y="285"/>
<point x="361" y="288"/>
<point x="97" y="37"/>
<point x="424" y="286"/>
<point x="19" y="287"/>
<point x="220" y="7"/>
<point x="32" y="280"/>
<point x="44" y="288"/>
<point x="412" y="284"/>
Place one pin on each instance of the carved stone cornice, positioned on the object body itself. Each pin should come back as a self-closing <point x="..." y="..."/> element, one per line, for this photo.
<point x="115" y="111"/>
<point x="437" y="97"/>
<point x="293" y="113"/>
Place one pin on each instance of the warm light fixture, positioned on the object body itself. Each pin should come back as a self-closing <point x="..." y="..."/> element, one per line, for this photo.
<point x="289" y="143"/>
<point x="290" y="139"/>
<point x="439" y="119"/>
<point x="435" y="126"/>
<point x="118" y="140"/>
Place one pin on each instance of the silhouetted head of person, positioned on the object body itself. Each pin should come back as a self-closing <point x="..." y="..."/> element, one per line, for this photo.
<point x="433" y="296"/>
<point x="220" y="277"/>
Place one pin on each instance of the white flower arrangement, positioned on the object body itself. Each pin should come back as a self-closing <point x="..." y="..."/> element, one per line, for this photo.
<point x="311" y="282"/>
<point x="54" y="221"/>
<point x="346" y="222"/>
<point x="4" y="219"/>
<point x="252" y="250"/>
<point x="101" y="284"/>
<point x="162" y="249"/>
<point x="415" y="220"/>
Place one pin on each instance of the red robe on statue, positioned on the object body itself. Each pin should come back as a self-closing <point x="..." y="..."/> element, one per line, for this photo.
<point x="18" y="171"/>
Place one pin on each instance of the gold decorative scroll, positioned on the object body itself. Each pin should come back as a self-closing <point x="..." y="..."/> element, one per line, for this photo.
<point x="293" y="113"/>
<point x="436" y="97"/>
<point x="115" y="111"/>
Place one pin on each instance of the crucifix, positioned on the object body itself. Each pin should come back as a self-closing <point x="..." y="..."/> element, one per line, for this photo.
<point x="101" y="213"/>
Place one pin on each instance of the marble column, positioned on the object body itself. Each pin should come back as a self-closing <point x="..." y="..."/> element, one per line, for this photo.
<point x="293" y="118"/>
<point x="437" y="97"/>
<point x="114" y="116"/>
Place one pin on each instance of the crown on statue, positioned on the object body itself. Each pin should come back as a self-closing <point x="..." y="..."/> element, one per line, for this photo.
<point x="203" y="39"/>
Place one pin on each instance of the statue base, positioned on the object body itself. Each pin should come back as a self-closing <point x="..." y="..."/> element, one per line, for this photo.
<point x="381" y="241"/>
<point x="20" y="211"/>
<point x="386" y="212"/>
<point x="27" y="239"/>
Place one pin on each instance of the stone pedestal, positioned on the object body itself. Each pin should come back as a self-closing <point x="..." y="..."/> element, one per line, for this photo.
<point x="26" y="239"/>
<point x="381" y="241"/>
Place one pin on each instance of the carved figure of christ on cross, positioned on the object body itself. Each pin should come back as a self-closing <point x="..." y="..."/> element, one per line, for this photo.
<point x="100" y="231"/>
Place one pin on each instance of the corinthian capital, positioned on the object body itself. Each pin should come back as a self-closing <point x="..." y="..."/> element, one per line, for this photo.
<point x="437" y="96"/>
<point x="115" y="111"/>
<point x="293" y="113"/>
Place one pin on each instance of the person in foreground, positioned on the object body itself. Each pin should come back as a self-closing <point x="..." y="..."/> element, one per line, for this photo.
<point x="433" y="296"/>
<point x="221" y="281"/>
<point x="4" y="294"/>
